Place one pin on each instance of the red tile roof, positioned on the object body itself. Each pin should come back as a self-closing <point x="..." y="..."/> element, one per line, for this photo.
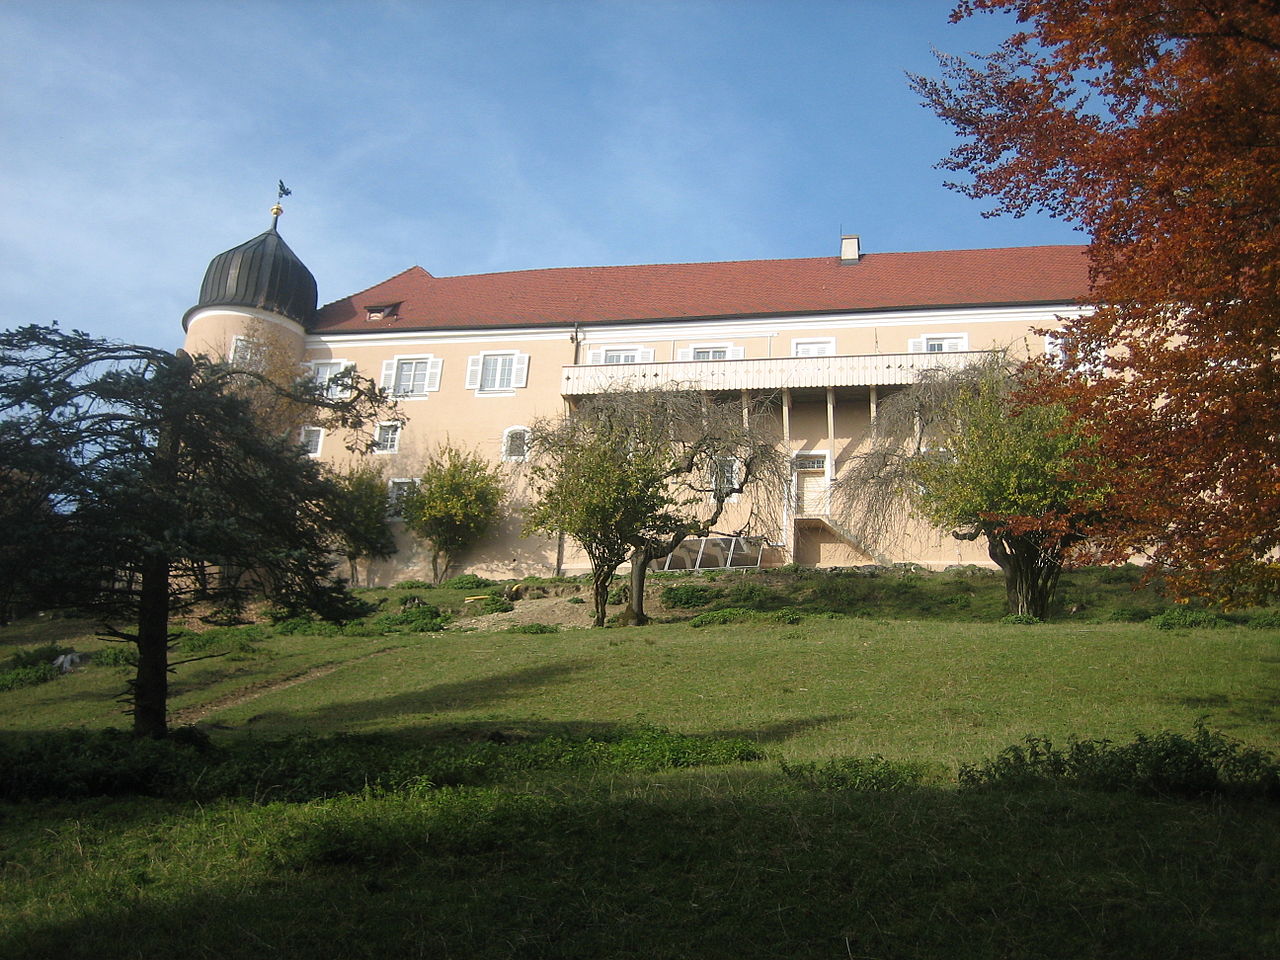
<point x="745" y="288"/>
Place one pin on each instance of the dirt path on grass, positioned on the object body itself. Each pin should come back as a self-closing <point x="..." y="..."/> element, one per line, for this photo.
<point x="190" y="715"/>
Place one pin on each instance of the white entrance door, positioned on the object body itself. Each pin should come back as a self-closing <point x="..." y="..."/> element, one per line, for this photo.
<point x="811" y="485"/>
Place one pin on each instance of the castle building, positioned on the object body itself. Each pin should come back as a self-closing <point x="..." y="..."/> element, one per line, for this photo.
<point x="477" y="359"/>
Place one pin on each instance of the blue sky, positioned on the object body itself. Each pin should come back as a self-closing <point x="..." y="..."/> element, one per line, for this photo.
<point x="142" y="137"/>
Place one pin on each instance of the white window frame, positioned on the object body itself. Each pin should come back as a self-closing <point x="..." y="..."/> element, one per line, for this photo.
<point x="378" y="448"/>
<point x="813" y="347"/>
<point x="946" y="342"/>
<point x="254" y="353"/>
<point x="734" y="476"/>
<point x="731" y="352"/>
<point x="431" y="380"/>
<point x="397" y="487"/>
<point x="506" y="440"/>
<point x="318" y="433"/>
<point x="600" y="354"/>
<point x="342" y="367"/>
<point x="519" y="372"/>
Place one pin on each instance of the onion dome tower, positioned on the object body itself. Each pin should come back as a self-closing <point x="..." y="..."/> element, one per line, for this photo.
<point x="252" y="293"/>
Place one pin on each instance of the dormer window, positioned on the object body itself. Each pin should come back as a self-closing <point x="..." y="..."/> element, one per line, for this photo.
<point x="382" y="313"/>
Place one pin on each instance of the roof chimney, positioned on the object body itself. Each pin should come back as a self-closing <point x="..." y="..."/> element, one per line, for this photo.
<point x="849" y="249"/>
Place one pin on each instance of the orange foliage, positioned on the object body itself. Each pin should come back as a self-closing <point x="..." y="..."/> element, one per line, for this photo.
<point x="1155" y="125"/>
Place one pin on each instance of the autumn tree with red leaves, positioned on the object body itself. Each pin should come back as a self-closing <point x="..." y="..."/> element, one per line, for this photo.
<point x="1154" y="125"/>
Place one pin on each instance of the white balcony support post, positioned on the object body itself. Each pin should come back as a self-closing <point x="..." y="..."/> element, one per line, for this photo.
<point x="786" y="418"/>
<point x="746" y="409"/>
<point x="875" y="400"/>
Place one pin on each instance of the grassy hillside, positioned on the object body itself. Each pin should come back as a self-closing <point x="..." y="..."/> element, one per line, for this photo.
<point x="780" y="785"/>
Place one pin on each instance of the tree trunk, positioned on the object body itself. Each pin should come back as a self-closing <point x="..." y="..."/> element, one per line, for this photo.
<point x="600" y="580"/>
<point x="1030" y="574"/>
<point x="151" y="683"/>
<point x="634" y="614"/>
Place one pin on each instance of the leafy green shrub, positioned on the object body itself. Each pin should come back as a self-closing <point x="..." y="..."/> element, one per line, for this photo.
<point x="413" y="585"/>
<point x="689" y="595"/>
<point x="716" y="618"/>
<point x="31" y="676"/>
<point x="492" y="604"/>
<point x="422" y="618"/>
<point x="1184" y="618"/>
<point x="116" y="655"/>
<point x="856" y="773"/>
<point x="466" y="581"/>
<point x="228" y="639"/>
<point x="1131" y="613"/>
<point x="577" y="600"/>
<point x="619" y="594"/>
<point x="534" y="628"/>
<point x="744" y="593"/>
<point x="1024" y="619"/>
<point x="1264" y="620"/>
<point x="1166" y="763"/>
<point x="36" y="656"/>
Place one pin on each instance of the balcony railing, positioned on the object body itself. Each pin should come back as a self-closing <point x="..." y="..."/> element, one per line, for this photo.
<point x="774" y="373"/>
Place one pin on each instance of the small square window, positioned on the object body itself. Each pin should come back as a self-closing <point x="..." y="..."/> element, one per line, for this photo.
<point x="312" y="437"/>
<point x="515" y="443"/>
<point x="397" y="490"/>
<point x="387" y="439"/>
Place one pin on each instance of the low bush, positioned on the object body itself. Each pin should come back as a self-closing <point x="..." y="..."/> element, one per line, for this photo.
<point x="856" y="773"/>
<point x="716" y="618"/>
<point x="414" y="585"/>
<point x="116" y="655"/>
<point x="1022" y="619"/>
<point x="687" y="596"/>
<point x="16" y="677"/>
<point x="534" y="628"/>
<point x="420" y="618"/>
<point x="1167" y="763"/>
<point x="466" y="581"/>
<point x="498" y="604"/>
<point x="1264" y="620"/>
<point x="1186" y="618"/>
<point x="36" y="656"/>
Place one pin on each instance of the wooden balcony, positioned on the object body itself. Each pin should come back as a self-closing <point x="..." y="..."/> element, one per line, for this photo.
<point x="774" y="373"/>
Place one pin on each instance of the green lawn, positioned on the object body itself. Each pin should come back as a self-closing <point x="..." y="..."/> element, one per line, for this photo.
<point x="628" y="860"/>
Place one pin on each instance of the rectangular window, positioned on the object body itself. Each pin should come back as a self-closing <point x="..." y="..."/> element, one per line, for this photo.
<point x="312" y="437"/>
<point x="724" y="480"/>
<point x="249" y="354"/>
<point x="323" y="373"/>
<point x="515" y="443"/>
<point x="822" y="347"/>
<point x="411" y="376"/>
<point x="497" y="371"/>
<point x="387" y="439"/>
<point x="397" y="490"/>
<point x="620" y="353"/>
<point x="939" y="343"/>
<point x="711" y="351"/>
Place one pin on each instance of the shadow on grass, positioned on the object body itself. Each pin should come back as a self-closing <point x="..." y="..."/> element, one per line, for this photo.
<point x="1263" y="706"/>
<point x="442" y="698"/>
<point x="773" y="873"/>
<point x="781" y="732"/>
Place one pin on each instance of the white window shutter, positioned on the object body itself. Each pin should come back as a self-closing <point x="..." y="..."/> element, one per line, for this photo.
<point x="951" y="345"/>
<point x="474" y="365"/>
<point x="916" y="345"/>
<point x="685" y="353"/>
<point x="644" y="355"/>
<point x="595" y="356"/>
<point x="520" y="370"/>
<point x="433" y="374"/>
<point x="736" y="353"/>
<point x="388" y="381"/>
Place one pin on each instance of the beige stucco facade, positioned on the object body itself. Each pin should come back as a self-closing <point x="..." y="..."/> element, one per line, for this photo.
<point x="824" y="375"/>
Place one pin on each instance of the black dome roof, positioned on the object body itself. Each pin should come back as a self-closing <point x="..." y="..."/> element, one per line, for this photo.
<point x="263" y="273"/>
